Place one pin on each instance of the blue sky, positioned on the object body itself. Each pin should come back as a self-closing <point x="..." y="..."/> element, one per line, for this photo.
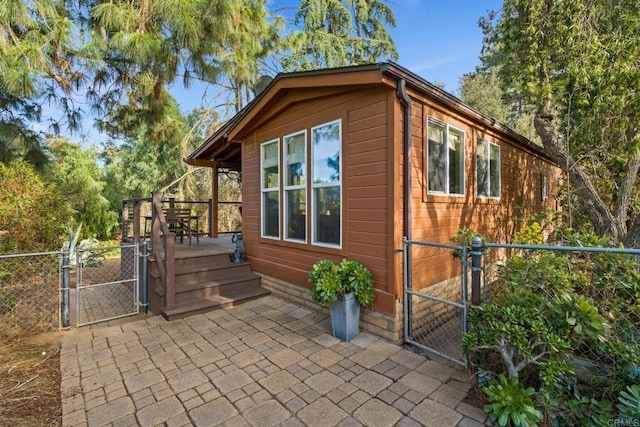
<point x="438" y="40"/>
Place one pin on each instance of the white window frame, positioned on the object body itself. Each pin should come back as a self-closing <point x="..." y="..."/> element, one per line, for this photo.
<point x="264" y="190"/>
<point x="488" y="145"/>
<point x="287" y="188"/>
<point x="314" y="186"/>
<point x="447" y="162"/>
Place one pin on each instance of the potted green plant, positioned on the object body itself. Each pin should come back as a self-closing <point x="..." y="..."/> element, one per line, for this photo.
<point x="344" y="287"/>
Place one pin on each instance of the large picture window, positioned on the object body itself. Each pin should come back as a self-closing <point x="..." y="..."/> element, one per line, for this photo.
<point x="445" y="158"/>
<point x="295" y="184"/>
<point x="326" y="148"/>
<point x="270" y="188"/>
<point x="488" y="169"/>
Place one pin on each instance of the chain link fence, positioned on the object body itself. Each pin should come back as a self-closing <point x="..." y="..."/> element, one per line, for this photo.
<point x="29" y="294"/>
<point x="436" y="301"/>
<point x="589" y="295"/>
<point x="595" y="293"/>
<point x="106" y="287"/>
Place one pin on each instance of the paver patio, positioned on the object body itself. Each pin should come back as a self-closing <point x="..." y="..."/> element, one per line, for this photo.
<point x="263" y="363"/>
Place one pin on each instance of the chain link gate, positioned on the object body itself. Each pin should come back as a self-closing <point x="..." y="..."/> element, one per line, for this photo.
<point x="107" y="286"/>
<point x="435" y="315"/>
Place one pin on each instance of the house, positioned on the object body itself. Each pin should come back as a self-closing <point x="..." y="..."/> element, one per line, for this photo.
<point x="345" y="163"/>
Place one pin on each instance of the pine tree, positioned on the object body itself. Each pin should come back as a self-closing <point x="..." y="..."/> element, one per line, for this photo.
<point x="337" y="33"/>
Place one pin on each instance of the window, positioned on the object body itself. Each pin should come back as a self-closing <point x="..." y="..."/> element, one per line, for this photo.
<point x="445" y="158"/>
<point x="544" y="187"/>
<point x="270" y="186"/>
<point x="326" y="147"/>
<point x="295" y="184"/>
<point x="488" y="169"/>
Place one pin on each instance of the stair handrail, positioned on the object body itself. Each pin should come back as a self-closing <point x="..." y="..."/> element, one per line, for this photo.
<point x="167" y="252"/>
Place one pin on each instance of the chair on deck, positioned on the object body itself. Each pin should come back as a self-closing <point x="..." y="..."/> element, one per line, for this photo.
<point x="180" y="220"/>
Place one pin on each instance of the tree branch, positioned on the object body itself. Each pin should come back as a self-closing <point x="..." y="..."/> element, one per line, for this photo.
<point x="603" y="220"/>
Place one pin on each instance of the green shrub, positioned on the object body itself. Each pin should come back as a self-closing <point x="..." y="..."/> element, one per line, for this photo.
<point x="330" y="281"/>
<point x="511" y="403"/>
<point x="558" y="319"/>
<point x="33" y="215"/>
<point x="521" y="336"/>
<point x="629" y="406"/>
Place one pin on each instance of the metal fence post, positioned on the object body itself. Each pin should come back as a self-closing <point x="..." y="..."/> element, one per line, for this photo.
<point x="476" y="257"/>
<point x="142" y="278"/>
<point x="66" y="284"/>
<point x="464" y="267"/>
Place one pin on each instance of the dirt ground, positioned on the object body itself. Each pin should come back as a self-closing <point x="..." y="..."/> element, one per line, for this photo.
<point x="30" y="382"/>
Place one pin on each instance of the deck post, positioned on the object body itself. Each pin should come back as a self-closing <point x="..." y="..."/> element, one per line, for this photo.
<point x="210" y="217"/>
<point x="155" y="221"/>
<point x="136" y="221"/>
<point x="213" y="224"/>
<point x="125" y="219"/>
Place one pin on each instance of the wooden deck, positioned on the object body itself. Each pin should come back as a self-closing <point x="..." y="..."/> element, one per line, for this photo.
<point x="207" y="246"/>
<point x="205" y="279"/>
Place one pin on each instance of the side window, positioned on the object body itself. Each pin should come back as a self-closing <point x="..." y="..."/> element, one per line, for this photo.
<point x="326" y="184"/>
<point x="445" y="158"/>
<point x="488" y="169"/>
<point x="544" y="187"/>
<point x="295" y="184"/>
<point x="270" y="188"/>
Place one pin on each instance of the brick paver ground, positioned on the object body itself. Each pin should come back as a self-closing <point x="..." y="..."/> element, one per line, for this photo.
<point x="264" y="363"/>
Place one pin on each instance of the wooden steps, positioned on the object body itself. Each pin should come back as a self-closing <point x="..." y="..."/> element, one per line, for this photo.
<point x="204" y="283"/>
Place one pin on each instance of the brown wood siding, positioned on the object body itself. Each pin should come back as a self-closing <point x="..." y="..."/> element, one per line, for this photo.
<point x="372" y="118"/>
<point x="437" y="218"/>
<point x="365" y="187"/>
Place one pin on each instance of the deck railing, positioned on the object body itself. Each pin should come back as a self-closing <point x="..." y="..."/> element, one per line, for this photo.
<point x="137" y="216"/>
<point x="163" y="250"/>
<point x="143" y="218"/>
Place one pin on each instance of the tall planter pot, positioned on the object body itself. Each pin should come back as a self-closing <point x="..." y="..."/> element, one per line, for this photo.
<point x="345" y="317"/>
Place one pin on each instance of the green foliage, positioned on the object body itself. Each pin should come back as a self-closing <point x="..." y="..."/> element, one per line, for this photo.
<point x="33" y="214"/>
<point x="325" y="282"/>
<point x="511" y="403"/>
<point x="78" y="178"/>
<point x="580" y="411"/>
<point x="121" y="56"/>
<point x="557" y="316"/>
<point x="531" y="234"/>
<point x="337" y="33"/>
<point x="358" y="280"/>
<point x="521" y="336"/>
<point x="629" y="406"/>
<point x="573" y="64"/>
<point x="544" y="273"/>
<point x="330" y="281"/>
<point x="463" y="237"/>
<point x="484" y="91"/>
<point x="36" y="63"/>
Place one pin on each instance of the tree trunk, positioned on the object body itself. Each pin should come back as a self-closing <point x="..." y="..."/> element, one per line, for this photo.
<point x="632" y="239"/>
<point x="604" y="221"/>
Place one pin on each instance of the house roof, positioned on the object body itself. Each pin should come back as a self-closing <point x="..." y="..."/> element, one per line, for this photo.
<point x="222" y="149"/>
